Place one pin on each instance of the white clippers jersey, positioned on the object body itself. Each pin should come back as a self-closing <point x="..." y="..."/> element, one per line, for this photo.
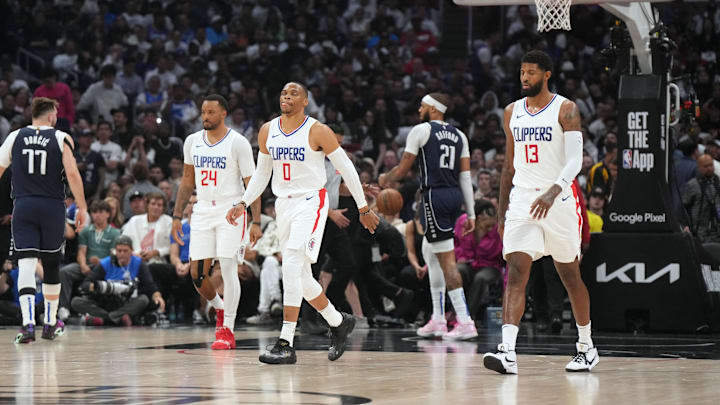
<point x="539" y="144"/>
<point x="297" y="169"/>
<point x="219" y="168"/>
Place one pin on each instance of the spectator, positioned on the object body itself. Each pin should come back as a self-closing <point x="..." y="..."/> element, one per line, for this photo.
<point x="137" y="204"/>
<point x="142" y="186"/>
<point x="603" y="174"/>
<point x="701" y="198"/>
<point x="10" y="298"/>
<point x="596" y="207"/>
<point x="129" y="81"/>
<point x="91" y="166"/>
<point x="94" y="243"/>
<point x="166" y="147"/>
<point x="122" y="135"/>
<point x="117" y="220"/>
<point x="67" y="61"/>
<point x="167" y="190"/>
<point x="153" y="98"/>
<point x="479" y="257"/>
<point x="120" y="287"/>
<point x="103" y="96"/>
<point x="51" y="88"/>
<point x="109" y="150"/>
<point x="150" y="233"/>
<point x="686" y="168"/>
<point x="483" y="184"/>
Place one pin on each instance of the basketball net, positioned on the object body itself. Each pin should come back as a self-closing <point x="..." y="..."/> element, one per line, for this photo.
<point x="553" y="15"/>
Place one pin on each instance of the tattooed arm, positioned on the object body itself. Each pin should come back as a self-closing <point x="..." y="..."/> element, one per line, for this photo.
<point x="569" y="118"/>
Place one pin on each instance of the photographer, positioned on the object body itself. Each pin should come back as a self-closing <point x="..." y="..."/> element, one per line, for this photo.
<point x="118" y="288"/>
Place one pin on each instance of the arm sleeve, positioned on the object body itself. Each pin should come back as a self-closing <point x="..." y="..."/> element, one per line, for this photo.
<point x="6" y="150"/>
<point x="417" y="138"/>
<point x="259" y="179"/>
<point x="467" y="192"/>
<point x="347" y="170"/>
<point x="573" y="158"/>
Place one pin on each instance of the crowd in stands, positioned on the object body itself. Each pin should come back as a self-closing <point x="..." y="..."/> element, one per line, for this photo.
<point x="130" y="77"/>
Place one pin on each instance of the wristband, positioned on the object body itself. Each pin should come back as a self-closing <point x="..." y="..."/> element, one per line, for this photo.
<point x="177" y="217"/>
<point x="365" y="213"/>
<point x="256" y="223"/>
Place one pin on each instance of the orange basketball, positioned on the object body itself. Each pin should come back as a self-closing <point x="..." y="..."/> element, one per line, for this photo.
<point x="389" y="201"/>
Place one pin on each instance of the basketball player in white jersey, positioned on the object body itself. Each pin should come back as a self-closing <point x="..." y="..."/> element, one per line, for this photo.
<point x="217" y="162"/>
<point x="540" y="216"/>
<point x="293" y="149"/>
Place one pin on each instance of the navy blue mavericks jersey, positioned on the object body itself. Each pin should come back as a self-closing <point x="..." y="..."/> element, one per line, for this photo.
<point x="439" y="162"/>
<point x="36" y="158"/>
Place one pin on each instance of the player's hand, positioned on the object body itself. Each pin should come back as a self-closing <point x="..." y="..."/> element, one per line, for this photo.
<point x="182" y="269"/>
<point x="80" y="219"/>
<point x="501" y="228"/>
<point x="542" y="204"/>
<point x="382" y="180"/>
<point x="371" y="189"/>
<point x="6" y="219"/>
<point x="255" y="234"/>
<point x="339" y="218"/>
<point x="234" y="213"/>
<point x="468" y="226"/>
<point x="369" y="221"/>
<point x="177" y="232"/>
<point x="421" y="272"/>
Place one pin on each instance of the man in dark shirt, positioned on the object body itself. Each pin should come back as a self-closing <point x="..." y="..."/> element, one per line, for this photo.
<point x="91" y="165"/>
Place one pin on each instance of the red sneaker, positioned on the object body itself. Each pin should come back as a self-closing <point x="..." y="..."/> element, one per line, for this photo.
<point x="225" y="340"/>
<point x="219" y="319"/>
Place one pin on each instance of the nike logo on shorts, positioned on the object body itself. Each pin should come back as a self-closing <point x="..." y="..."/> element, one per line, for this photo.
<point x="309" y="197"/>
<point x="565" y="198"/>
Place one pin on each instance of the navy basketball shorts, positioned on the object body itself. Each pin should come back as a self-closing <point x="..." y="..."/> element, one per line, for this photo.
<point x="441" y="208"/>
<point x="38" y="226"/>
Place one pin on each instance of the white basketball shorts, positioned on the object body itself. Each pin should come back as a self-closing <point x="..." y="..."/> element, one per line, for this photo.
<point x="301" y="222"/>
<point x="211" y="236"/>
<point x="557" y="235"/>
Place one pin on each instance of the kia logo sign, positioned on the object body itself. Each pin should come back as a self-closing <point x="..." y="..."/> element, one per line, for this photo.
<point x="638" y="276"/>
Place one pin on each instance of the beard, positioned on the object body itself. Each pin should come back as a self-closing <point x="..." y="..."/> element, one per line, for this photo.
<point x="534" y="90"/>
<point x="424" y="117"/>
<point x="209" y="126"/>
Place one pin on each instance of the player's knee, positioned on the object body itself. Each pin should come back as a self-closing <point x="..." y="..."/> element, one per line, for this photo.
<point x="311" y="288"/>
<point x="198" y="271"/>
<point x="51" y="268"/>
<point x="291" y="272"/>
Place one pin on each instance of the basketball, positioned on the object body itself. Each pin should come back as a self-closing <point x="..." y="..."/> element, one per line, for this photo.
<point x="389" y="201"/>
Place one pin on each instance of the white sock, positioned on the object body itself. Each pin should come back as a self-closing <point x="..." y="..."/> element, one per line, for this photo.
<point x="584" y="334"/>
<point x="288" y="331"/>
<point x="51" y="306"/>
<point x="27" y="307"/>
<point x="438" y="301"/>
<point x="509" y="336"/>
<point x="217" y="302"/>
<point x="331" y="315"/>
<point x="457" y="296"/>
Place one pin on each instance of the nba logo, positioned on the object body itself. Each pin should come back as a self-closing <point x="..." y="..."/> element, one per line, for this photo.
<point x="627" y="158"/>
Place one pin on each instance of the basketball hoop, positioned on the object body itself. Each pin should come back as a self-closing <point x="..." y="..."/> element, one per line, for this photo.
<point x="553" y="15"/>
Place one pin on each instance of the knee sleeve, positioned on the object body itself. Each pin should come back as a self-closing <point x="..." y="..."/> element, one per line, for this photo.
<point x="26" y="275"/>
<point x="199" y="270"/>
<point x="435" y="272"/>
<point x="292" y="266"/>
<point x="51" y="268"/>
<point x="447" y="245"/>
<point x="311" y="288"/>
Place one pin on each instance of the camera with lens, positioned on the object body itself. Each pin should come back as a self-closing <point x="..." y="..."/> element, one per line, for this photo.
<point x="118" y="288"/>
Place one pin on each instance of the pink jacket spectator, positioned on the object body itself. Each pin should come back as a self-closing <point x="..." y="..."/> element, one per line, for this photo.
<point x="62" y="94"/>
<point x="484" y="253"/>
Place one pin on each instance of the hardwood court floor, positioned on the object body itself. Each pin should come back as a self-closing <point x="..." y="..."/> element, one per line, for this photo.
<point x="176" y="366"/>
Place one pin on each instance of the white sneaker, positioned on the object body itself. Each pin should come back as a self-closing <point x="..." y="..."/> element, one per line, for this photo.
<point x="586" y="358"/>
<point x="63" y="314"/>
<point x="503" y="360"/>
